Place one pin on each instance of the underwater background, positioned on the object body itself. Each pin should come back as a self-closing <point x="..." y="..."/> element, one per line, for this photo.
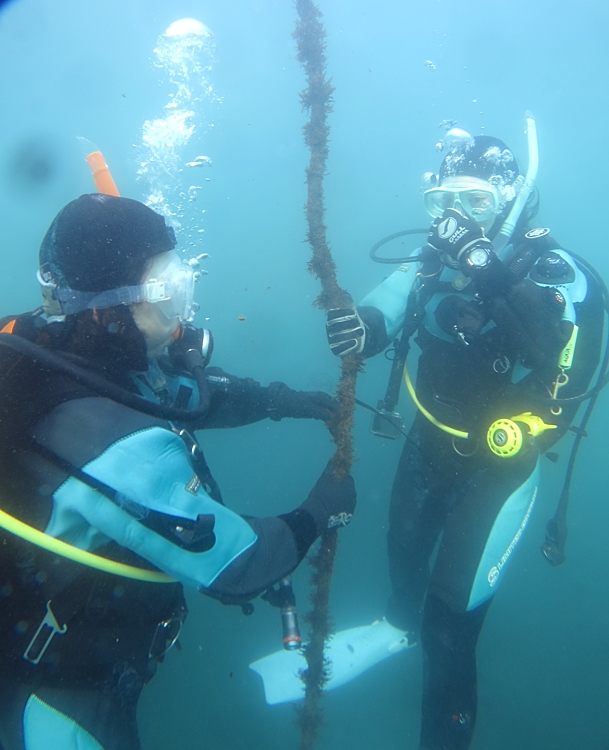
<point x="90" y="69"/>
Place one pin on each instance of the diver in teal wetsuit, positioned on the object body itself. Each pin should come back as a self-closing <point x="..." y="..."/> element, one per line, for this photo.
<point x="99" y="401"/>
<point x="505" y="319"/>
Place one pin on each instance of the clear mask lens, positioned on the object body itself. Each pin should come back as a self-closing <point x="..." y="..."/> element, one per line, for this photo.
<point x="171" y="286"/>
<point x="478" y="203"/>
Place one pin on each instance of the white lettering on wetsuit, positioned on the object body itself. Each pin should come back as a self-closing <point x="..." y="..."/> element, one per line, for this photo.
<point x="493" y="574"/>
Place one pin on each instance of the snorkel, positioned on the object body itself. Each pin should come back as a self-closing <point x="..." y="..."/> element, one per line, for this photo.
<point x="167" y="286"/>
<point x="508" y="226"/>
<point x="99" y="169"/>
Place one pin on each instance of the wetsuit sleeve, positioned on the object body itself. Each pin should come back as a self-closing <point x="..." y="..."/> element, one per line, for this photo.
<point x="240" y="401"/>
<point x="280" y="546"/>
<point x="389" y="299"/>
<point x="235" y="402"/>
<point x="149" y="468"/>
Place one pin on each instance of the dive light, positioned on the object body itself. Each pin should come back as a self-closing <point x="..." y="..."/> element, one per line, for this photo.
<point x="289" y="619"/>
<point x="283" y="598"/>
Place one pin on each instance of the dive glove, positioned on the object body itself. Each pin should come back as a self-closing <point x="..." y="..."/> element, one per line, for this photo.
<point x="459" y="238"/>
<point x="285" y="402"/>
<point x="345" y="329"/>
<point x="331" y="503"/>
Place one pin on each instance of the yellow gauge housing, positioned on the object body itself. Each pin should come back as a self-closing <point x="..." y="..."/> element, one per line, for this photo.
<point x="504" y="436"/>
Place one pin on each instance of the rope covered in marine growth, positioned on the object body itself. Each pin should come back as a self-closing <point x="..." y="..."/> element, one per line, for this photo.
<point x="317" y="100"/>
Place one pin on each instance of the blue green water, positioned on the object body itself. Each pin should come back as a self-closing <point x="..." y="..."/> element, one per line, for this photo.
<point x="84" y="69"/>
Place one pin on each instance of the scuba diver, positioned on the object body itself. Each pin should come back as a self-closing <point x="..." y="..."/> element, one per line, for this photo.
<point x="107" y="503"/>
<point x="510" y="326"/>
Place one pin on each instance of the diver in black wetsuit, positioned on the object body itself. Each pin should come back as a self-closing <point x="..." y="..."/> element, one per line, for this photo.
<point x="99" y="401"/>
<point x="505" y="319"/>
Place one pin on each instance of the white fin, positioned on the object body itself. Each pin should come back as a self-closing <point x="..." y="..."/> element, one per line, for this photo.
<point x="349" y="652"/>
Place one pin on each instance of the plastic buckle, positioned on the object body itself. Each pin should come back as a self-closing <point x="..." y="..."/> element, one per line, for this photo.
<point x="50" y="623"/>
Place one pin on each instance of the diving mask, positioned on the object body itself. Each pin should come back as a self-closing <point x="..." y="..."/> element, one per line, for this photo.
<point x="169" y="283"/>
<point x="479" y="199"/>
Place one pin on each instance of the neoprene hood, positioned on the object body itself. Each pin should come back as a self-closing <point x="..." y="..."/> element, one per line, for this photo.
<point x="485" y="158"/>
<point x="100" y="242"/>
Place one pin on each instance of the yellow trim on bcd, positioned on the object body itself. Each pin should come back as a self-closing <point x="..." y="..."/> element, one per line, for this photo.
<point x="566" y="356"/>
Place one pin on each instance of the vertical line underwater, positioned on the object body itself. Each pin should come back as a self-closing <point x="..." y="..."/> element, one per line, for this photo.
<point x="317" y="100"/>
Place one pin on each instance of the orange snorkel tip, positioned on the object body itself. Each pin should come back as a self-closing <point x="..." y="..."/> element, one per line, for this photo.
<point x="101" y="174"/>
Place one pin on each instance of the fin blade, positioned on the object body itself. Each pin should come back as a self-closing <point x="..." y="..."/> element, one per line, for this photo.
<point x="349" y="652"/>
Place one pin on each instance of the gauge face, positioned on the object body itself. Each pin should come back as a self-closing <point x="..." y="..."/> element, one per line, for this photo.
<point x="478" y="258"/>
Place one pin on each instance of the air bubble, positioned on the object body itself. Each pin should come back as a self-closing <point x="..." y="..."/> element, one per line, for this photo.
<point x="184" y="54"/>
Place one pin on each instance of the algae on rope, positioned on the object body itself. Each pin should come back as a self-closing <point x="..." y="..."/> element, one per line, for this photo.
<point x="317" y="100"/>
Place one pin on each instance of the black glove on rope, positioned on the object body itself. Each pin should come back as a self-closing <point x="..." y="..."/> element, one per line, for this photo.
<point x="332" y="501"/>
<point x="284" y="402"/>
<point x="330" y="505"/>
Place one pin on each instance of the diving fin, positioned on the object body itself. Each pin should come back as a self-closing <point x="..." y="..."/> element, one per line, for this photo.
<point x="349" y="653"/>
